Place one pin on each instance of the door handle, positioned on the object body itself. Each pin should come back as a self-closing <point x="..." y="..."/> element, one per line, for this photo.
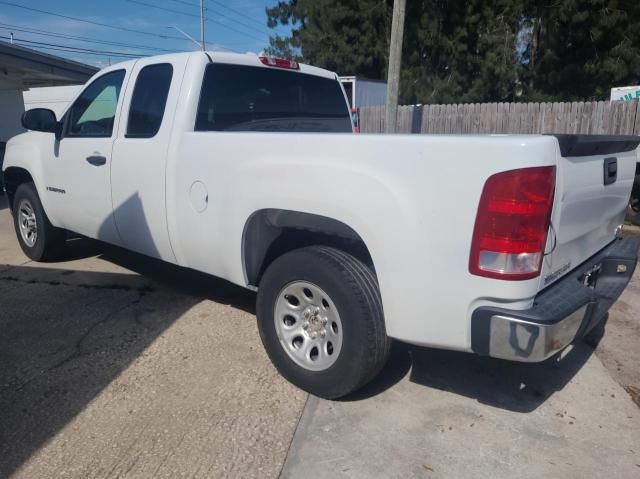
<point x="97" y="160"/>
<point x="610" y="170"/>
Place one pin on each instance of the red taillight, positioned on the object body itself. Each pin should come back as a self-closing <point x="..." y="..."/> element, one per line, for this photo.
<point x="511" y="227"/>
<point x="279" y="62"/>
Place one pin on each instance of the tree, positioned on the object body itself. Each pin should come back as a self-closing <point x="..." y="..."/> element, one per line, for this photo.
<point x="344" y="36"/>
<point x="579" y="49"/>
<point x="460" y="51"/>
<point x="472" y="50"/>
<point x="453" y="50"/>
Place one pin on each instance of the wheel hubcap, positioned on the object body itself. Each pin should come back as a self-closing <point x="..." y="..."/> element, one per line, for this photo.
<point x="308" y="325"/>
<point x="27" y="222"/>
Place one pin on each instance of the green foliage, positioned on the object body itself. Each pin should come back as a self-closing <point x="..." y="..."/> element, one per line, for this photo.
<point x="579" y="49"/>
<point x="345" y="36"/>
<point x="472" y="50"/>
<point x="459" y="51"/>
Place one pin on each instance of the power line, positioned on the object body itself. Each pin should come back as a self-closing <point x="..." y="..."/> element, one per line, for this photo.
<point x="208" y="19"/>
<point x="237" y="12"/>
<point x="73" y="51"/>
<point x="84" y="20"/>
<point x="233" y="28"/>
<point x="45" y="33"/>
<point x="76" y="49"/>
<point x="138" y="2"/>
<point x="186" y="3"/>
<point x="171" y="10"/>
<point x="245" y="25"/>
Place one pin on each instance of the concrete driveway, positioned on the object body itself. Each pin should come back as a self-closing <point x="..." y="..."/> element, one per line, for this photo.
<point x="115" y="365"/>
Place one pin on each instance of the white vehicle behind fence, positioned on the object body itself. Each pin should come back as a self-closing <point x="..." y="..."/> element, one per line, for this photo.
<point x="363" y="92"/>
<point x="246" y="168"/>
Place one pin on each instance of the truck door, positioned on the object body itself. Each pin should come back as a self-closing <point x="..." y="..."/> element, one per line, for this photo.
<point x="79" y="188"/>
<point x="140" y="155"/>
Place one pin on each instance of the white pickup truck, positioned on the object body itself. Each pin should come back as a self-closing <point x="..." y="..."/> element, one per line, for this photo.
<point x="246" y="168"/>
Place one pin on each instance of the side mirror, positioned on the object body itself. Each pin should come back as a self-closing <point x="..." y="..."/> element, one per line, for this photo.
<point x="40" y="119"/>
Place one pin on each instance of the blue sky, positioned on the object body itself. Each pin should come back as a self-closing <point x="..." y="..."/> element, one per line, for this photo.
<point x="236" y="25"/>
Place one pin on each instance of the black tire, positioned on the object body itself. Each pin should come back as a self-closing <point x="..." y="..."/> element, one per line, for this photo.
<point x="49" y="239"/>
<point x="354" y="290"/>
<point x="633" y="210"/>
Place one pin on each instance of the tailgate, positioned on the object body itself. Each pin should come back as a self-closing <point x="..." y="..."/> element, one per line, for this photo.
<point x="594" y="177"/>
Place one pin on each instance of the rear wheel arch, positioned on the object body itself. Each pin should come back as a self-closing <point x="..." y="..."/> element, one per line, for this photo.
<point x="270" y="233"/>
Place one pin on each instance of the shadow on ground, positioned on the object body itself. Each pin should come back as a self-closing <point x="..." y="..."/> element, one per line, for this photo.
<point x="159" y="274"/>
<point x="65" y="335"/>
<point x="516" y="387"/>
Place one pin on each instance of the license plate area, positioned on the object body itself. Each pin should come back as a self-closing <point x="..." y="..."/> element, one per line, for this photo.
<point x="590" y="277"/>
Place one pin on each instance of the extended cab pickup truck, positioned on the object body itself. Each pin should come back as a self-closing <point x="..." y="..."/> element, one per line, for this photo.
<point x="247" y="168"/>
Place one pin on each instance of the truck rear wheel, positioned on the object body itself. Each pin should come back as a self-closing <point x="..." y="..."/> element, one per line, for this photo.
<point x="38" y="238"/>
<point x="321" y="321"/>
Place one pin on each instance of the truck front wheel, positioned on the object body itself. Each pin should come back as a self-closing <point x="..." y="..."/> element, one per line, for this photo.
<point x="38" y="238"/>
<point x="321" y="321"/>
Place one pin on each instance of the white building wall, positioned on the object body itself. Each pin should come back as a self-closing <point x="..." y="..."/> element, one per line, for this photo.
<point x="55" y="98"/>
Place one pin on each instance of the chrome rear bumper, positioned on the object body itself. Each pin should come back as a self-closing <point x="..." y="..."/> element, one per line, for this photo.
<point x="566" y="310"/>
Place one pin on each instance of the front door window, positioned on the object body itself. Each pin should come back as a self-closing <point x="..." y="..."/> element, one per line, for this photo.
<point x="93" y="113"/>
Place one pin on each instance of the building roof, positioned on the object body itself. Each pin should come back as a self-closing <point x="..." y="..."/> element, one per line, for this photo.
<point x="22" y="68"/>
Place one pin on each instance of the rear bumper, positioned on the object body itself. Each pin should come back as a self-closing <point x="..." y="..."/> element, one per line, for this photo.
<point x="566" y="310"/>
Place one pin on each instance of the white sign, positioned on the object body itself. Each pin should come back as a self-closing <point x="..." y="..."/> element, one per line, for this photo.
<point x="625" y="93"/>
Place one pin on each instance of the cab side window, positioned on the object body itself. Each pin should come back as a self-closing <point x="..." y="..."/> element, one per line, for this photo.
<point x="94" y="111"/>
<point x="149" y="100"/>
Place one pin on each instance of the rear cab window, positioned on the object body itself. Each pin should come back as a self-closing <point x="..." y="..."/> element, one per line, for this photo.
<point x="247" y="98"/>
<point x="149" y="100"/>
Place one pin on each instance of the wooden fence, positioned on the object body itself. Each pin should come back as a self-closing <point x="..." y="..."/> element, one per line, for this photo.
<point x="598" y="117"/>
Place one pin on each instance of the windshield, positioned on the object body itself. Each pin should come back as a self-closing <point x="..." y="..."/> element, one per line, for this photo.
<point x="245" y="98"/>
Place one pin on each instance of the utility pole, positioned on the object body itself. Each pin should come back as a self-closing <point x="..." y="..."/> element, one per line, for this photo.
<point x="202" y="10"/>
<point x="395" y="57"/>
